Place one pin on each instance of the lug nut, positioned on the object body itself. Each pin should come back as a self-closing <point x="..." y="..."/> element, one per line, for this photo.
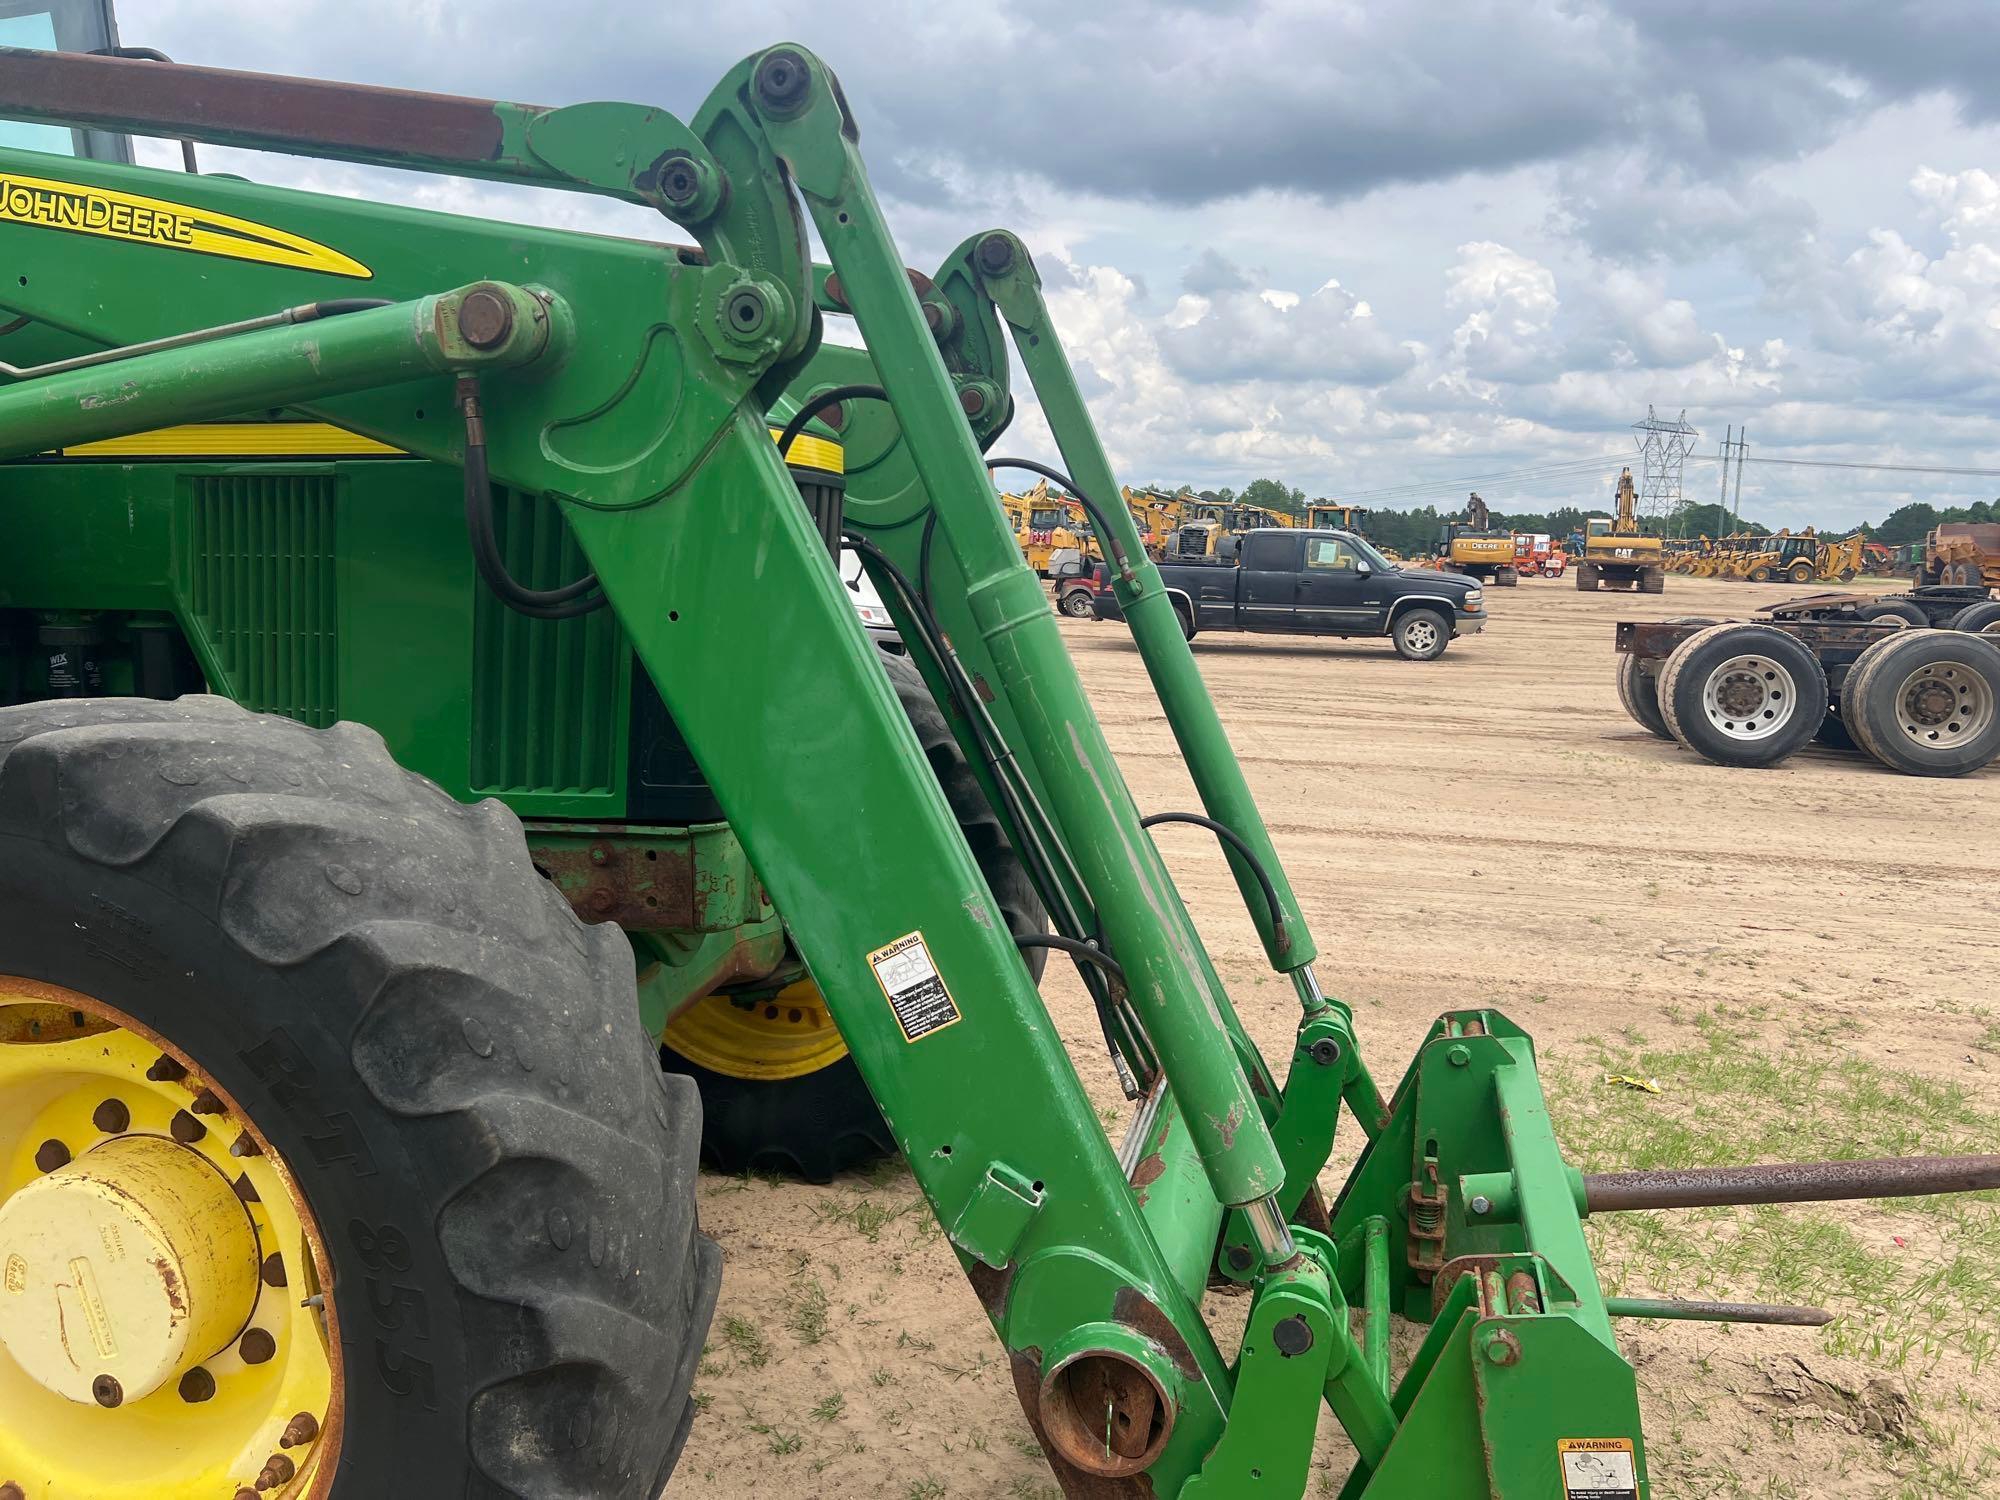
<point x="112" y="1117"/>
<point x="257" y="1347"/>
<point x="245" y="1190"/>
<point x="273" y="1270"/>
<point x="185" y="1128"/>
<point x="278" y="1470"/>
<point x="48" y="1156"/>
<point x="206" y="1103"/>
<point x="167" y="1070"/>
<point x="300" y="1430"/>
<point x="197" y="1386"/>
<point x="107" y="1391"/>
<point x="245" y="1145"/>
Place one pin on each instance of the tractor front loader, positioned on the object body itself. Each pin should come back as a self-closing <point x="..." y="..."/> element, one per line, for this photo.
<point x="336" y="1160"/>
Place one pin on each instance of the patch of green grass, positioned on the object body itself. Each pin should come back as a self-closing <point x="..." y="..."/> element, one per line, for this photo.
<point x="746" y="1341"/>
<point x="829" y="1407"/>
<point x="927" y="1488"/>
<point x="782" y="1443"/>
<point x="806" y="1316"/>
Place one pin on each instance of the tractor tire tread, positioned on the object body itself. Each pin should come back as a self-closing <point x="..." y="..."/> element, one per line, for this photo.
<point x="476" y="1045"/>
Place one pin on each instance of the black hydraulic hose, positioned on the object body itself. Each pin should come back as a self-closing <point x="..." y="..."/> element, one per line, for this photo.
<point x="1077" y="948"/>
<point x="1235" y="841"/>
<point x="1030" y="820"/>
<point x="819" y="403"/>
<point x="564" y="603"/>
<point x="1056" y="476"/>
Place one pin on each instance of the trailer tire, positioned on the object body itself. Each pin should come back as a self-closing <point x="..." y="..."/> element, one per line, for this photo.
<point x="1926" y="702"/>
<point x="1896" y="609"/>
<point x="1641" y="697"/>
<point x="444" y="1067"/>
<point x="1977" y="618"/>
<point x="825" y="1121"/>
<point x="1420" y="634"/>
<point x="1742" y="695"/>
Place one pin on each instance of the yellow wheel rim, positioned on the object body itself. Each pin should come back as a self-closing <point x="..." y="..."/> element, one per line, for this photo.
<point x="786" y="1035"/>
<point x="163" y="1333"/>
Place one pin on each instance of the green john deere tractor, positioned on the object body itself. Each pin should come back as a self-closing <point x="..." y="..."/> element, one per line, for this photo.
<point x="336" y="1154"/>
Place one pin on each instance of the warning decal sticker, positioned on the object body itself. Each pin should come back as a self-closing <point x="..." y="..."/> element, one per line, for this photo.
<point x="915" y="988"/>
<point x="83" y="209"/>
<point x="1599" y="1469"/>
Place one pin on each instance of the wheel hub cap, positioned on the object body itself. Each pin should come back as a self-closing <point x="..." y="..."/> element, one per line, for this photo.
<point x="123" y="1270"/>
<point x="1749" y="697"/>
<point x="1945" y="704"/>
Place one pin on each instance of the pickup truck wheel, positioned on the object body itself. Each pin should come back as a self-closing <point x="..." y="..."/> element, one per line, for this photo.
<point x="1421" y="635"/>
<point x="1186" y="619"/>
<point x="1926" y="702"/>
<point x="1743" y="695"/>
<point x="1075" y="603"/>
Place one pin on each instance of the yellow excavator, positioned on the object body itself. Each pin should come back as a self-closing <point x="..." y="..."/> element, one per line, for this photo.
<point x="1616" y="554"/>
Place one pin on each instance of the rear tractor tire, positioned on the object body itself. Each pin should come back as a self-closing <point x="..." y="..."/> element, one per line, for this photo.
<point x="1640" y="692"/>
<point x="315" y="1040"/>
<point x="1926" y="702"/>
<point x="1742" y="695"/>
<point x="779" y="1091"/>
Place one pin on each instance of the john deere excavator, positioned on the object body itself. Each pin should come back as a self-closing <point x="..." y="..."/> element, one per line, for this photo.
<point x="426" y="679"/>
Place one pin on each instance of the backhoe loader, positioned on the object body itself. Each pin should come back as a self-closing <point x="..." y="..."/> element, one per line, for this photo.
<point x="382" y="782"/>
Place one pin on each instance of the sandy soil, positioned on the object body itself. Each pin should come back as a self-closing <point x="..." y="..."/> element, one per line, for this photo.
<point x="1489" y="827"/>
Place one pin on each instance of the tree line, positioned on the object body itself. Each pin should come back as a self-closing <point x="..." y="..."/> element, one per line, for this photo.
<point x="1411" y="531"/>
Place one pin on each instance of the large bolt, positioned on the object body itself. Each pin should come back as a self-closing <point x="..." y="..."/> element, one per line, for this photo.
<point x="1503" y="1349"/>
<point x="1325" y="1051"/>
<point x="679" y="179"/>
<point x="278" y="1470"/>
<point x="1480" y="1204"/>
<point x="1291" y="1337"/>
<point x="1458" y="1057"/>
<point x="197" y="1386"/>
<point x="50" y="1155"/>
<point x="108" y="1391"/>
<point x="300" y="1430"/>
<point x="746" y="312"/>
<point x="1240" y="1259"/>
<point x="185" y="1128"/>
<point x="996" y="254"/>
<point x="782" y="81"/>
<point x="485" y="319"/>
<point x="257" y="1347"/>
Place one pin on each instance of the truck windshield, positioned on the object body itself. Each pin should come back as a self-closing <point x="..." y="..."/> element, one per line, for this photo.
<point x="1375" y="559"/>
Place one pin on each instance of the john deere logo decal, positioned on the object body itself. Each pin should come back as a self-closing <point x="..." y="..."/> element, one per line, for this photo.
<point x="82" y="209"/>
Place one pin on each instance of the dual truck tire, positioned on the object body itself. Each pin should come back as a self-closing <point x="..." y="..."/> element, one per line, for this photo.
<point x="1923" y="702"/>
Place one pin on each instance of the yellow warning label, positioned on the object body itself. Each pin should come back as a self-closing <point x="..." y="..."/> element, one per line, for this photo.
<point x="1599" y="1468"/>
<point x="82" y="209"/>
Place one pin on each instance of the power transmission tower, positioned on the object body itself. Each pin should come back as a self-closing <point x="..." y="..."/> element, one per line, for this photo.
<point x="1663" y="448"/>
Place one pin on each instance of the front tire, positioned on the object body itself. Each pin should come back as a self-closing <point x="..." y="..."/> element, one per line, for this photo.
<point x="349" y="972"/>
<point x="1421" y="635"/>
<point x="1076" y="604"/>
<point x="822" y="1119"/>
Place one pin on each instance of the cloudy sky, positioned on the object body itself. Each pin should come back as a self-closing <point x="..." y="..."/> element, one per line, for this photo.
<point x="1364" y="248"/>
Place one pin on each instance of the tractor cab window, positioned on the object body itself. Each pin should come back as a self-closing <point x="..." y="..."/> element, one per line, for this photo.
<point x="1331" y="554"/>
<point x="1600" y="525"/>
<point x="60" y="26"/>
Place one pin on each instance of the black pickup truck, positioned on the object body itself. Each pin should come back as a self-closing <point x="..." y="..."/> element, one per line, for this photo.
<point x="1297" y="582"/>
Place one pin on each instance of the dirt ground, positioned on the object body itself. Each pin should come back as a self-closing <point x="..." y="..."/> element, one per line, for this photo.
<point x="1803" y="958"/>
